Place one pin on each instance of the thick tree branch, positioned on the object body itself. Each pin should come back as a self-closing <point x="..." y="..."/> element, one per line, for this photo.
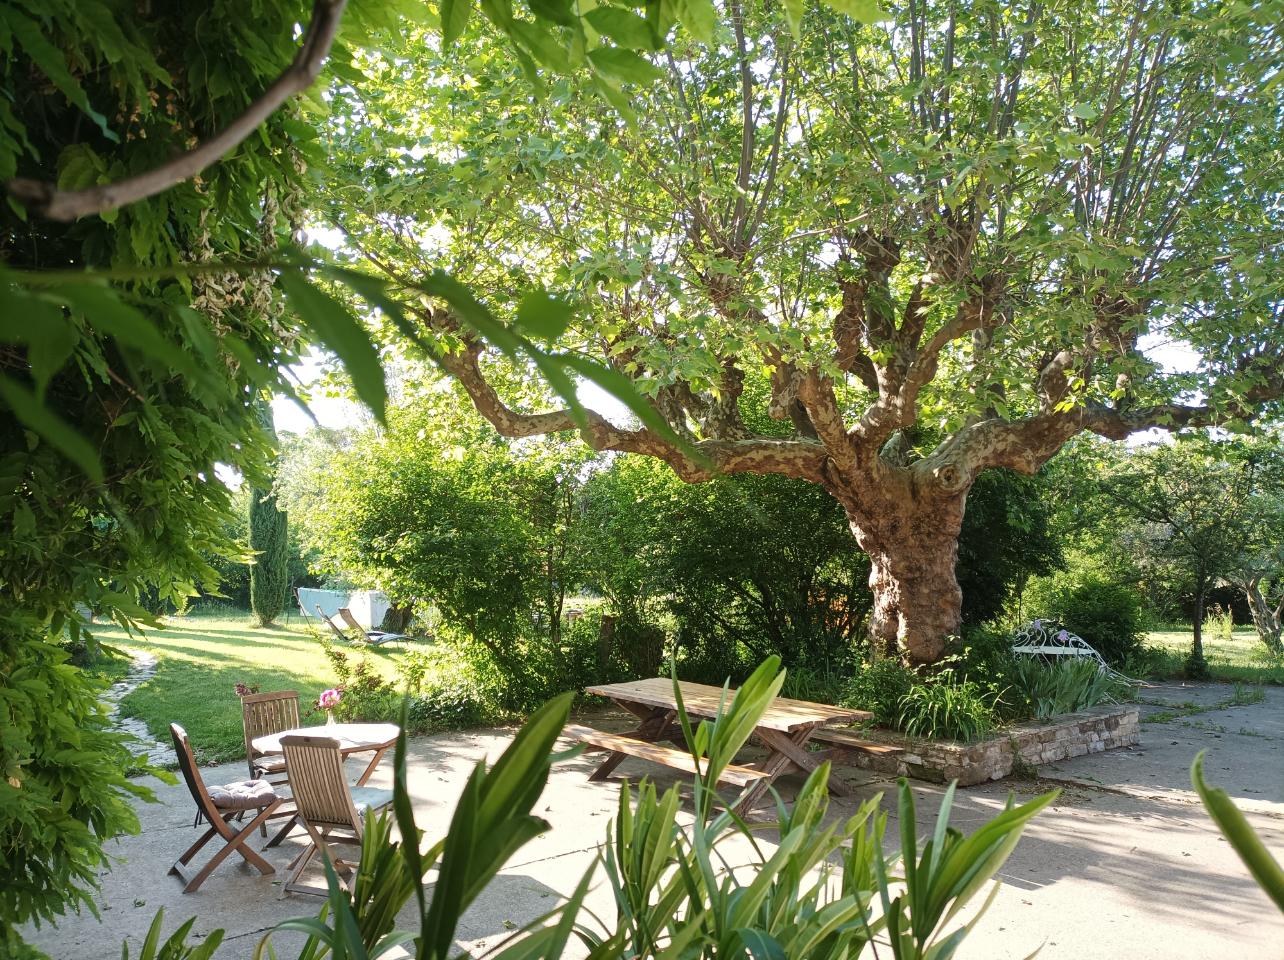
<point x="849" y="337"/>
<point x="46" y="200"/>
<point x="707" y="459"/>
<point x="979" y="312"/>
<point x="1025" y="445"/>
<point x="817" y="395"/>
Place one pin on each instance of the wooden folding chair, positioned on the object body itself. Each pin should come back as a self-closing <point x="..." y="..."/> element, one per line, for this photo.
<point x="220" y="806"/>
<point x="328" y="808"/>
<point x="263" y="714"/>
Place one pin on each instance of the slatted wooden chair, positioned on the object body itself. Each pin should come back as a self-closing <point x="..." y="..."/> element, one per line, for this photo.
<point x="263" y="714"/>
<point x="220" y="806"/>
<point x="328" y="808"/>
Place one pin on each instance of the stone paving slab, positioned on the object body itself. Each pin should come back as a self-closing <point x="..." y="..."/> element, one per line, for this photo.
<point x="1124" y="864"/>
<point x="142" y="666"/>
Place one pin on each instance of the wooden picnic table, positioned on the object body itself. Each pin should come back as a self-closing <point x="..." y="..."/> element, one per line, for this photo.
<point x="785" y="729"/>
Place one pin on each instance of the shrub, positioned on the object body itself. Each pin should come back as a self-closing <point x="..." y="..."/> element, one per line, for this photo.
<point x="947" y="708"/>
<point x="451" y="705"/>
<point x="823" y="682"/>
<point x="879" y="687"/>
<point x="1050" y="689"/>
<point x="1151" y="663"/>
<point x="62" y="784"/>
<point x="1195" y="667"/>
<point x="1105" y="614"/>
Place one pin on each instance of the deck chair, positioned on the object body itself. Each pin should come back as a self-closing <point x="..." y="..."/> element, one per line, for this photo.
<point x="220" y="806"/>
<point x="371" y="636"/>
<point x="334" y="627"/>
<point x="263" y="714"/>
<point x="328" y="808"/>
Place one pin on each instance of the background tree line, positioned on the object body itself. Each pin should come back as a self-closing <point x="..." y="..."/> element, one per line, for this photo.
<point x="499" y="535"/>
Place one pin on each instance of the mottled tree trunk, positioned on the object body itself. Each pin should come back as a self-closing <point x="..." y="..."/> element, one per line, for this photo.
<point x="912" y="542"/>
<point x="1266" y="618"/>
<point x="397" y="618"/>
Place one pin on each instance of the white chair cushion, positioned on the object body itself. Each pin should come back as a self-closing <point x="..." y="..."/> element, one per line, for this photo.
<point x="370" y="798"/>
<point x="272" y="764"/>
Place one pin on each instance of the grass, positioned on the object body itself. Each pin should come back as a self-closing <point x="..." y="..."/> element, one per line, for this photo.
<point x="202" y="657"/>
<point x="1243" y="658"/>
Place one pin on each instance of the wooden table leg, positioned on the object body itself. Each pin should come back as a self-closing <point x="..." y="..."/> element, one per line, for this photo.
<point x="786" y="751"/>
<point x="370" y="767"/>
<point x="654" y="727"/>
<point x="795" y="749"/>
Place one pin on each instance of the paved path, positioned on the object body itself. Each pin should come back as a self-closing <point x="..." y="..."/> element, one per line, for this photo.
<point x="141" y="668"/>
<point x="1125" y="864"/>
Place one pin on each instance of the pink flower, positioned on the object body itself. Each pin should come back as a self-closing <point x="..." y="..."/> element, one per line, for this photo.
<point x="329" y="699"/>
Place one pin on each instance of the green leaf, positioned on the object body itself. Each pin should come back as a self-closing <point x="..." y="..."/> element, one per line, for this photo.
<point x="866" y="11"/>
<point x="53" y="64"/>
<point x="543" y="315"/>
<point x="1084" y="111"/>
<point x="700" y="18"/>
<point x="759" y="945"/>
<point x="375" y="292"/>
<point x="39" y="324"/>
<point x="561" y="12"/>
<point x="339" y="330"/>
<point x="542" y="45"/>
<point x="106" y="312"/>
<point x="56" y="431"/>
<point x="794" y="14"/>
<point x="624" y="390"/>
<point x="1264" y="868"/>
<point x="454" y="18"/>
<point x="52" y="343"/>
<point x="625" y="28"/>
<point x="624" y="65"/>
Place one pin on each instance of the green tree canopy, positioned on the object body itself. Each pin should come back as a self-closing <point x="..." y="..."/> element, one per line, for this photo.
<point x="970" y="216"/>
<point x="1202" y="511"/>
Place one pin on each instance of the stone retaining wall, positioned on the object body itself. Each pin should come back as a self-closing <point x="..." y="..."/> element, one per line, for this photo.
<point x="1036" y="742"/>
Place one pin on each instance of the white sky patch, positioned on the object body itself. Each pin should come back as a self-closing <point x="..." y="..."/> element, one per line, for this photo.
<point x="329" y="237"/>
<point x="1174" y="356"/>
<point x="595" y="398"/>
<point x="332" y="412"/>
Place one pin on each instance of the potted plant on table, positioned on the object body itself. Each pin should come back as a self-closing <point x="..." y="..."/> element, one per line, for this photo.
<point x="328" y="700"/>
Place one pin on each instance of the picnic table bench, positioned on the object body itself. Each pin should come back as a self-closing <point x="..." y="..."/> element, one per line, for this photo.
<point x="655" y="752"/>
<point x="786" y="729"/>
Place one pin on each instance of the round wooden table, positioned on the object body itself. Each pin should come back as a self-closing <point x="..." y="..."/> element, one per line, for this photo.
<point x="352" y="738"/>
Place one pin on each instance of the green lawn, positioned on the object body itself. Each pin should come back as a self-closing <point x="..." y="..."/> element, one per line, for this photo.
<point x="1243" y="658"/>
<point x="202" y="657"/>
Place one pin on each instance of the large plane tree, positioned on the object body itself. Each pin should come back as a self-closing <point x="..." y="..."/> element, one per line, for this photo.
<point x="976" y="222"/>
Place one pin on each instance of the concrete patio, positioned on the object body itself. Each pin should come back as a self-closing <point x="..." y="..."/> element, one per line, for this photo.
<point x="1124" y="864"/>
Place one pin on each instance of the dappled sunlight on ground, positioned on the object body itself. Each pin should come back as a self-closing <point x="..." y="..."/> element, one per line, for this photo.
<point x="1124" y="863"/>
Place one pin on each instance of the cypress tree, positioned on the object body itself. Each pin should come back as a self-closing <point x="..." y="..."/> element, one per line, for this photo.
<point x="269" y="575"/>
